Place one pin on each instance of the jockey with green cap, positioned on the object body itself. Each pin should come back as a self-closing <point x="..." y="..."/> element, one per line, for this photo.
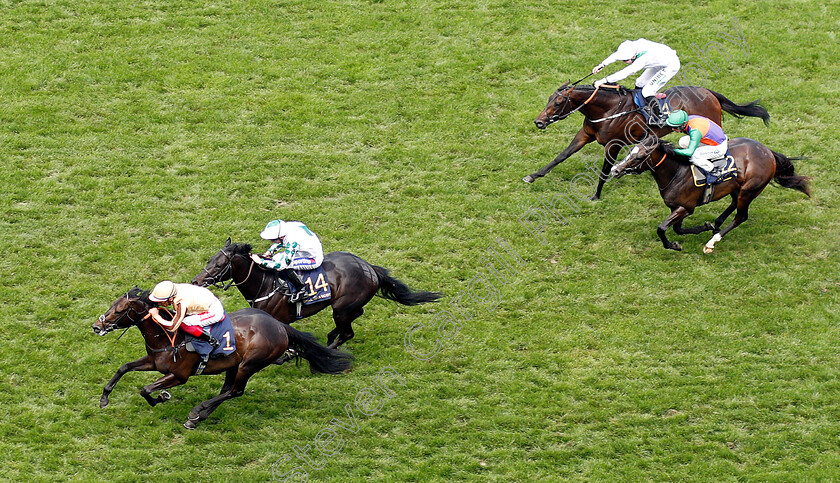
<point x="294" y="247"/>
<point x="705" y="141"/>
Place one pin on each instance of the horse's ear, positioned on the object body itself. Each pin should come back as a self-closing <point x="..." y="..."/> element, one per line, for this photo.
<point x="227" y="243"/>
<point x="565" y="84"/>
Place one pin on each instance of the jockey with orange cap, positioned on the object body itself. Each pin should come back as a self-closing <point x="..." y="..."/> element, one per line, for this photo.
<point x="659" y="61"/>
<point x="294" y="247"/>
<point x="705" y="141"/>
<point x="195" y="308"/>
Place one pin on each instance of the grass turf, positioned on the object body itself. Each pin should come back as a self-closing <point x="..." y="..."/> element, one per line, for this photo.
<point x="137" y="137"/>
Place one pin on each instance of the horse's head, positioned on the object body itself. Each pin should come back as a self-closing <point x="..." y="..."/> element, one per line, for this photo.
<point x="220" y="266"/>
<point x="638" y="160"/>
<point x="559" y="106"/>
<point x="128" y="310"/>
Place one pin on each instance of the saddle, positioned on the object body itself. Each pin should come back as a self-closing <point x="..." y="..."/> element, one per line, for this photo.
<point x="223" y="331"/>
<point x="315" y="283"/>
<point x="724" y="169"/>
<point x="656" y="119"/>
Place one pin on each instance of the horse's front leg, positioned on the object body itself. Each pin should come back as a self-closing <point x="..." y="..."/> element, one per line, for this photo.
<point x="676" y="216"/>
<point x="581" y="139"/>
<point x="165" y="382"/>
<point x="610" y="152"/>
<point x="141" y="364"/>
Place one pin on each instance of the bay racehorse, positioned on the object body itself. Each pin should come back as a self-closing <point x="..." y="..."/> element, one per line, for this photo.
<point x="260" y="339"/>
<point x="757" y="165"/>
<point x="353" y="283"/>
<point x="612" y="118"/>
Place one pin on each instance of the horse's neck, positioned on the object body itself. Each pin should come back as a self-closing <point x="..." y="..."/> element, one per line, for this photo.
<point x="156" y="336"/>
<point x="253" y="280"/>
<point x="665" y="169"/>
<point x="600" y="105"/>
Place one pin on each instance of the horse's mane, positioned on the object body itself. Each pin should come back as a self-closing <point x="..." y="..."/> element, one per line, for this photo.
<point x="143" y="295"/>
<point x="240" y="248"/>
<point x="590" y="88"/>
<point x="670" y="150"/>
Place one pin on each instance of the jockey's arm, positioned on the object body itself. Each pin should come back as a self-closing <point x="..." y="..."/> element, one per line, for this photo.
<point x="280" y="260"/>
<point x="631" y="69"/>
<point x="694" y="137"/>
<point x="170" y="325"/>
<point x="180" y="313"/>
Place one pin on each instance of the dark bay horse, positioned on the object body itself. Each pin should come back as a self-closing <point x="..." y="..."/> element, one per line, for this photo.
<point x="757" y="165"/>
<point x="260" y="341"/>
<point x="612" y="118"/>
<point x="353" y="283"/>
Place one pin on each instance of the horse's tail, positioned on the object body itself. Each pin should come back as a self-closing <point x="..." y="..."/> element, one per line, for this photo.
<point x="392" y="289"/>
<point x="751" y="109"/>
<point x="786" y="177"/>
<point x="321" y="358"/>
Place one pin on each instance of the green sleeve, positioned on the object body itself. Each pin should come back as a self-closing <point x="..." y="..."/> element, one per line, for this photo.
<point x="694" y="140"/>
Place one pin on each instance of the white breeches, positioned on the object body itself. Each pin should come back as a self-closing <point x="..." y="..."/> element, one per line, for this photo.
<point x="704" y="154"/>
<point x="216" y="313"/>
<point x="655" y="78"/>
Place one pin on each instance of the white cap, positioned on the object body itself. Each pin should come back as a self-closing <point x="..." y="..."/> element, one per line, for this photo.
<point x="273" y="230"/>
<point x="162" y="292"/>
<point x="626" y="51"/>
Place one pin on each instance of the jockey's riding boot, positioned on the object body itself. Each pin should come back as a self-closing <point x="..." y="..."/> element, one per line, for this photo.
<point x="206" y="337"/>
<point x="293" y="278"/>
<point x="653" y="109"/>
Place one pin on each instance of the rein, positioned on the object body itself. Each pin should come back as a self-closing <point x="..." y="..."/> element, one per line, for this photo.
<point x="587" y="101"/>
<point x="652" y="168"/>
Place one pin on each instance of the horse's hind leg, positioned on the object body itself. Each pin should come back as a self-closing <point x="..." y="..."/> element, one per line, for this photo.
<point x="743" y="206"/>
<point x="343" y="326"/>
<point x="165" y="382"/>
<point x="693" y="230"/>
<point x="141" y="364"/>
<point x="728" y="211"/>
<point x="204" y="409"/>
<point x="230" y="377"/>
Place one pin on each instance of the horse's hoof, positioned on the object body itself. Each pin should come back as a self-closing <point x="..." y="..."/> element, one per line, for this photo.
<point x="528" y="179"/>
<point x="708" y="250"/>
<point x="165" y="396"/>
<point x="594" y="198"/>
<point x="190" y="424"/>
<point x="103" y="402"/>
<point x="675" y="246"/>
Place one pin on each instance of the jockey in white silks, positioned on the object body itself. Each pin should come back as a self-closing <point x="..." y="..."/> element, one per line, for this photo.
<point x="660" y="64"/>
<point x="294" y="247"/>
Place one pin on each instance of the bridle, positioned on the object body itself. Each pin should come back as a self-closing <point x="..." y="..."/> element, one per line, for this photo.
<point x="653" y="167"/>
<point x="217" y="280"/>
<point x="560" y="117"/>
<point x="128" y="313"/>
<point x="228" y="270"/>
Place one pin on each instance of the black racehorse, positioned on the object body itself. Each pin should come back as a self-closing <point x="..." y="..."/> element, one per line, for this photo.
<point x="612" y="118"/>
<point x="757" y="166"/>
<point x="261" y="341"/>
<point x="353" y="283"/>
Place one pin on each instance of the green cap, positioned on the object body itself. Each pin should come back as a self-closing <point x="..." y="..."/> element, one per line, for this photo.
<point x="677" y="118"/>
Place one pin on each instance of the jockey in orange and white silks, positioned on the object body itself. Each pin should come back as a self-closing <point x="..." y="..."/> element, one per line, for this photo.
<point x="195" y="308"/>
<point x="660" y="64"/>
<point x="294" y="247"/>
